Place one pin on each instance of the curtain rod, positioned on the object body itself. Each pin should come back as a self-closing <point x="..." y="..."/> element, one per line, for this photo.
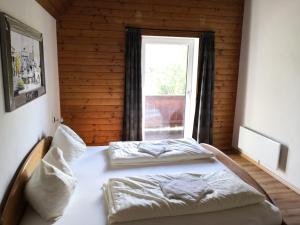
<point x="167" y="29"/>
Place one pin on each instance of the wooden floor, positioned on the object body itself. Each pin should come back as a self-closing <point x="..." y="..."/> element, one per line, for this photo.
<point x="287" y="200"/>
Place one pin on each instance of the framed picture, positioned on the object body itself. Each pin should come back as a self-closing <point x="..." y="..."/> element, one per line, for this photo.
<point x="22" y="62"/>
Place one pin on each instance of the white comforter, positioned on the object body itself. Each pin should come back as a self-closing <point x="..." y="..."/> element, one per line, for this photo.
<point x="127" y="152"/>
<point x="135" y="198"/>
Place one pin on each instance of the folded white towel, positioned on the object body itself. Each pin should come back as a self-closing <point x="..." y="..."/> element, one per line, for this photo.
<point x="154" y="148"/>
<point x="187" y="188"/>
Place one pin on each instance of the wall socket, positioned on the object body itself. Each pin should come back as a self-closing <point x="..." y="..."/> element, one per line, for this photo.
<point x="55" y="119"/>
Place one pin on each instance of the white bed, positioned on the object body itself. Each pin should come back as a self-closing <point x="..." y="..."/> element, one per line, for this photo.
<point x="87" y="206"/>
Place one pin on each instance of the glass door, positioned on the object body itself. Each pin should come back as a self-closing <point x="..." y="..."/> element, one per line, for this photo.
<point x="168" y="67"/>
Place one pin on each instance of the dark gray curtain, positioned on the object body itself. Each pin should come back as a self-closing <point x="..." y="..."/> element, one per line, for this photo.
<point x="132" y="117"/>
<point x="203" y="121"/>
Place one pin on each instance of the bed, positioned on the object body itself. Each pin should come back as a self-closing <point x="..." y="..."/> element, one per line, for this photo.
<point x="87" y="205"/>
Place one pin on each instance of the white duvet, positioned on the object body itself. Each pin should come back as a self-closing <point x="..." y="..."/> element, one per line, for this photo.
<point x="127" y="152"/>
<point x="136" y="198"/>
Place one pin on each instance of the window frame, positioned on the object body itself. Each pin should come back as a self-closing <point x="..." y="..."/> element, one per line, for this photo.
<point x="191" y="76"/>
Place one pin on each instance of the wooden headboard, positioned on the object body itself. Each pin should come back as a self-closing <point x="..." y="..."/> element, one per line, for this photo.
<point x="14" y="203"/>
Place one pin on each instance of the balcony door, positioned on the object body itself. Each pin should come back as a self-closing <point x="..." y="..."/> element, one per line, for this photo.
<point x="169" y="70"/>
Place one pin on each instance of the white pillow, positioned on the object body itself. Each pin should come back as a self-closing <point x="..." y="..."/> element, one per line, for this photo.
<point x="69" y="142"/>
<point x="55" y="157"/>
<point x="49" y="190"/>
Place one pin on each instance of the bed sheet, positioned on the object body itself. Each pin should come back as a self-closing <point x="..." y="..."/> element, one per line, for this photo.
<point x="87" y="206"/>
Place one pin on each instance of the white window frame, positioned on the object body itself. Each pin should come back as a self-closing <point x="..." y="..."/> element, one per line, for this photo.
<point x="191" y="76"/>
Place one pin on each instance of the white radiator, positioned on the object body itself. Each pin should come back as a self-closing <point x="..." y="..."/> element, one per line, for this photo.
<point x="261" y="149"/>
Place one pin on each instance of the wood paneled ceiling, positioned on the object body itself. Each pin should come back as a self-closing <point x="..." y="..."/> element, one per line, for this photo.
<point x="55" y="7"/>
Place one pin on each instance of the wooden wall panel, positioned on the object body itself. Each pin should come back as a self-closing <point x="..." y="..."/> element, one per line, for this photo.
<point x="55" y="7"/>
<point x="91" y="37"/>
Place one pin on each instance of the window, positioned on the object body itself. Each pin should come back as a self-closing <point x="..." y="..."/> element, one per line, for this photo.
<point x="169" y="68"/>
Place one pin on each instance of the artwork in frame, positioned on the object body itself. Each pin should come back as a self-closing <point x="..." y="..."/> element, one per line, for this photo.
<point x="22" y="62"/>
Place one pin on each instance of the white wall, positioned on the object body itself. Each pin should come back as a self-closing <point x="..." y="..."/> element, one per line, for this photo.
<point x="268" y="99"/>
<point x="21" y="129"/>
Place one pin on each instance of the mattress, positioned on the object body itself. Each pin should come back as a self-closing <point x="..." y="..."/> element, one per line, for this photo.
<point x="87" y="205"/>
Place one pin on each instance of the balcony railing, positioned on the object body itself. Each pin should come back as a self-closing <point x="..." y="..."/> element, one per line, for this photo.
<point x="164" y="116"/>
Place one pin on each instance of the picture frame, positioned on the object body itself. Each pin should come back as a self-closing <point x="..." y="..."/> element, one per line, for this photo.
<point x="22" y="58"/>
